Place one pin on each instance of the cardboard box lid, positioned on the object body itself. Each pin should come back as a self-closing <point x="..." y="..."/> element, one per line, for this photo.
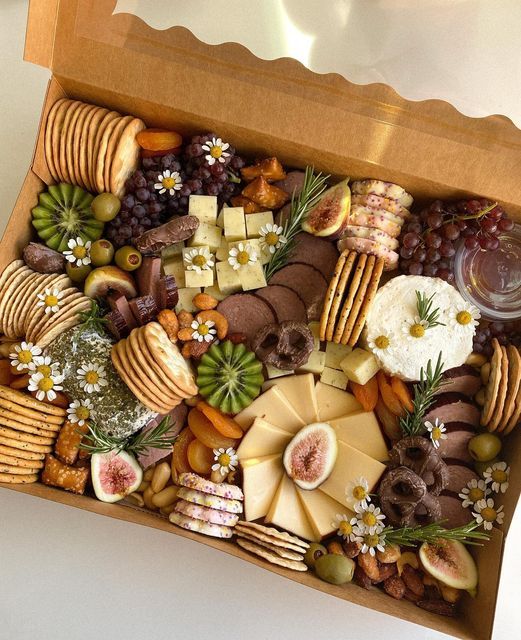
<point x="344" y="126"/>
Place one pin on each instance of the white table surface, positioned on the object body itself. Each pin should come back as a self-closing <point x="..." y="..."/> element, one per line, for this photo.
<point x="71" y="575"/>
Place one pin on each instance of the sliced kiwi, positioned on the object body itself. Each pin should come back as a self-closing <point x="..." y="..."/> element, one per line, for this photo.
<point x="229" y="377"/>
<point x="64" y="212"/>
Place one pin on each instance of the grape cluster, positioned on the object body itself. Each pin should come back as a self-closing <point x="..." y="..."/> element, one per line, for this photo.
<point x="429" y="239"/>
<point x="506" y="333"/>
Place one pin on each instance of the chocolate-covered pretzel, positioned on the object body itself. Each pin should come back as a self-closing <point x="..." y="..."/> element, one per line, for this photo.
<point x="418" y="454"/>
<point x="285" y="346"/>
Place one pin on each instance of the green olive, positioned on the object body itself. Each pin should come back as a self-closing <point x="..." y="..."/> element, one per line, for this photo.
<point x="484" y="447"/>
<point x="78" y="274"/>
<point x="101" y="253"/>
<point x="334" y="568"/>
<point x="105" y="207"/>
<point x="313" y="553"/>
<point x="128" y="258"/>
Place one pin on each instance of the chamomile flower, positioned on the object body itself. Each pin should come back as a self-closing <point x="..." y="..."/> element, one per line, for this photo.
<point x="380" y="343"/>
<point x="44" y="365"/>
<point x="344" y="526"/>
<point x="24" y="354"/>
<point x="475" y="491"/>
<point x="51" y="300"/>
<point x="198" y="260"/>
<point x="415" y="328"/>
<point x="370" y="519"/>
<point x="168" y="181"/>
<point x="203" y="331"/>
<point x="78" y="252"/>
<point x="271" y="237"/>
<point x="225" y="460"/>
<point x="371" y="542"/>
<point x="497" y="476"/>
<point x="45" y="386"/>
<point x="216" y="149"/>
<point x="241" y="255"/>
<point x="436" y="431"/>
<point x="92" y="377"/>
<point x="80" y="411"/>
<point x="464" y="317"/>
<point x="486" y="513"/>
<point x="358" y="492"/>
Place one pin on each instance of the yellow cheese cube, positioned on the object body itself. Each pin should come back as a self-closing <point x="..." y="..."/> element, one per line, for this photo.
<point x="227" y="279"/>
<point x="334" y="378"/>
<point x="223" y="250"/>
<point x="186" y="296"/>
<point x="334" y="403"/>
<point x="206" y="235"/>
<point x="172" y="251"/>
<point x="335" y="353"/>
<point x="273" y="407"/>
<point x="215" y="292"/>
<point x="234" y="224"/>
<point x="260" y="480"/>
<point x="263" y="439"/>
<point x="362" y="431"/>
<point x="287" y="512"/>
<point x="204" y="208"/>
<point x="360" y="366"/>
<point x="254" y="222"/>
<point x="321" y="511"/>
<point x="315" y="364"/>
<point x="175" y="267"/>
<point x="252" y="276"/>
<point x="205" y="278"/>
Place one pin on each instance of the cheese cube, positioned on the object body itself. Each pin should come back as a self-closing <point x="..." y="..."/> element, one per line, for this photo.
<point x="273" y="372"/>
<point x="314" y="327"/>
<point x="186" y="297"/>
<point x="234" y="224"/>
<point x="334" y="403"/>
<point x="254" y="222"/>
<point x="173" y="250"/>
<point x="220" y="218"/>
<point x="335" y="353"/>
<point x="315" y="364"/>
<point x="227" y="279"/>
<point x="334" y="378"/>
<point x="252" y="276"/>
<point x="206" y="235"/>
<point x="360" y="366"/>
<point x="204" y="208"/>
<point x="362" y="431"/>
<point x="215" y="292"/>
<point x="175" y="268"/>
<point x="205" y="278"/>
<point x="260" y="480"/>
<point x="223" y="250"/>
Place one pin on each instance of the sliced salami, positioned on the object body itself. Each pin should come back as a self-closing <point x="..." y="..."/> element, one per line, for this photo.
<point x="287" y="304"/>
<point x="246" y="313"/>
<point x="317" y="252"/>
<point x="307" y="282"/>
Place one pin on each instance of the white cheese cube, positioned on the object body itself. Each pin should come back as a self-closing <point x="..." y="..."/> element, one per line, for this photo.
<point x="254" y="222"/>
<point x="252" y="276"/>
<point x="334" y="378"/>
<point x="315" y="364"/>
<point x="273" y="372"/>
<point x="227" y="279"/>
<point x="175" y="268"/>
<point x="204" y="208"/>
<point x="205" y="278"/>
<point x="222" y="252"/>
<point x="234" y="224"/>
<point x="335" y="353"/>
<point x="186" y="297"/>
<point x="360" y="366"/>
<point x="206" y="235"/>
<point x="215" y="292"/>
<point x="220" y="217"/>
<point x="173" y="250"/>
<point x="314" y="327"/>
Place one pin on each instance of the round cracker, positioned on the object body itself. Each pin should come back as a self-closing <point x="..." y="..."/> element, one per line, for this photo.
<point x="492" y="388"/>
<point x="77" y="141"/>
<point x="16" y="470"/>
<point x="112" y="145"/>
<point x="339" y="294"/>
<point x="83" y="145"/>
<point x="71" y="319"/>
<point x="29" y="402"/>
<point x="49" y="125"/>
<point x="25" y="446"/>
<point x="72" y="107"/>
<point x="20" y="462"/>
<point x="271" y="557"/>
<point x="14" y="434"/>
<point x="48" y="320"/>
<point x="12" y="314"/>
<point x="101" y="154"/>
<point x="31" y="416"/>
<point x="29" y="302"/>
<point x="34" y="312"/>
<point x="368" y="301"/>
<point x="348" y="302"/>
<point x="56" y="135"/>
<point x="97" y="125"/>
<point x="11" y="286"/>
<point x="358" y="301"/>
<point x="514" y="380"/>
<point x="280" y="551"/>
<point x="7" y="272"/>
<point x="30" y="456"/>
<point x="69" y="142"/>
<point x="502" y="393"/>
<point x="10" y="478"/>
<point x="126" y="157"/>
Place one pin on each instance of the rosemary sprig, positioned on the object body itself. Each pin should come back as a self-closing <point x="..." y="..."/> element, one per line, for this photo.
<point x="93" y="318"/>
<point x="412" y="536"/>
<point x="314" y="186"/>
<point x="103" y="443"/>
<point x="425" y="311"/>
<point x="430" y="381"/>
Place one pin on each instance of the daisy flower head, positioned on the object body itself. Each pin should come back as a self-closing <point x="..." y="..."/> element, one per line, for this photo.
<point x="45" y="386"/>
<point x="80" y="411"/>
<point x="78" y="252"/>
<point x="465" y="317"/>
<point x="44" y="365"/>
<point x="203" y="331"/>
<point x="225" y="460"/>
<point x="216" y="151"/>
<point x="271" y="237"/>
<point x="51" y="300"/>
<point x="357" y="492"/>
<point x="198" y="260"/>
<point x="371" y="542"/>
<point x="241" y="255"/>
<point x="92" y="377"/>
<point x="345" y="526"/>
<point x="24" y="354"/>
<point x="168" y="181"/>
<point x="415" y="328"/>
<point x="497" y="476"/>
<point x="475" y="491"/>
<point x="370" y="518"/>
<point x="486" y="513"/>
<point x="380" y="343"/>
<point x="436" y="430"/>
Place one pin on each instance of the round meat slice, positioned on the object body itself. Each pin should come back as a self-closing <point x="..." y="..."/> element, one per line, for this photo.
<point x="317" y="252"/>
<point x="246" y="313"/>
<point x="285" y="302"/>
<point x="307" y="282"/>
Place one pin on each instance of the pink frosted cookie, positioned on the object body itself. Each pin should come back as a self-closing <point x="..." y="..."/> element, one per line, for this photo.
<point x="209" y="500"/>
<point x="382" y="189"/>
<point x="361" y="245"/>
<point x="193" y="481"/>
<point x="206" y="513"/>
<point x="200" y="526"/>
<point x="377" y="202"/>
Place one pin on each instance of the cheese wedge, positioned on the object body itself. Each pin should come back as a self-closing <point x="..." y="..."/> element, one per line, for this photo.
<point x="334" y="403"/>
<point x="260" y="481"/>
<point x="300" y="392"/>
<point x="263" y="439"/>
<point x="273" y="407"/>
<point x="287" y="512"/>
<point x="350" y="465"/>
<point x="321" y="511"/>
<point x="362" y="431"/>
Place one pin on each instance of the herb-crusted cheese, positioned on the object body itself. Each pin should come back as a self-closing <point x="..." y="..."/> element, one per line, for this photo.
<point x="395" y="305"/>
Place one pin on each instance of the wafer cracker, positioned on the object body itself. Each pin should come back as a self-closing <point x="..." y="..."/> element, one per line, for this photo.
<point x="280" y="551"/>
<point x="16" y="470"/>
<point x="25" y="437"/>
<point x="52" y="423"/>
<point x="330" y="293"/>
<point x="368" y="301"/>
<point x="492" y="388"/>
<point x="29" y="402"/>
<point x="359" y="299"/>
<point x="348" y="302"/>
<point x="271" y="557"/>
<point x="30" y="456"/>
<point x="25" y="446"/>
<point x="497" y="413"/>
<point x="514" y="381"/>
<point x="126" y="157"/>
<point x="49" y="125"/>
<point x="10" y="478"/>
<point x="280" y="536"/>
<point x="339" y="294"/>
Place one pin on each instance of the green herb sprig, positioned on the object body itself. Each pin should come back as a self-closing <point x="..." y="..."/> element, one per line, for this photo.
<point x="412" y="536"/>
<point x="93" y="318"/>
<point x="425" y="311"/>
<point x="155" y="438"/>
<point x="313" y="187"/>
<point x="411" y="423"/>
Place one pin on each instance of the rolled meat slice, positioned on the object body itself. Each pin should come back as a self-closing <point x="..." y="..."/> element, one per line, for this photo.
<point x="246" y="313"/>
<point x="464" y="379"/>
<point x="285" y="302"/>
<point x="307" y="282"/>
<point x="453" y="407"/>
<point x="317" y="252"/>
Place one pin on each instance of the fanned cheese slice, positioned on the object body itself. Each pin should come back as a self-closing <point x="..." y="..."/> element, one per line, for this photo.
<point x="287" y="512"/>
<point x="334" y="403"/>
<point x="261" y="478"/>
<point x="273" y="407"/>
<point x="362" y="431"/>
<point x="300" y="392"/>
<point x="321" y="511"/>
<point x="263" y="439"/>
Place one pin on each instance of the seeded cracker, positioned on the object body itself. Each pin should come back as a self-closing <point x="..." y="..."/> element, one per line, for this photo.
<point x="339" y="294"/>
<point x="330" y="294"/>
<point x="273" y="558"/>
<point x="280" y="551"/>
<point x="11" y="478"/>
<point x="348" y="303"/>
<point x="359" y="298"/>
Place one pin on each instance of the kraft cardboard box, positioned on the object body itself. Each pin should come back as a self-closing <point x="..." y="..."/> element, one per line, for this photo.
<point x="275" y="108"/>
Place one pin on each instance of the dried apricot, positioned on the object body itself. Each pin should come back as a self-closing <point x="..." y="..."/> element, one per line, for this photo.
<point x="401" y="390"/>
<point x="159" y="140"/>
<point x="179" y="456"/>
<point x="20" y="382"/>
<point x="223" y="423"/>
<point x="204" y="431"/>
<point x="200" y="457"/>
<point x="388" y="421"/>
<point x="366" y="394"/>
<point x="391" y="400"/>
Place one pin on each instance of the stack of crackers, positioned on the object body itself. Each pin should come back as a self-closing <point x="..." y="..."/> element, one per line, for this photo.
<point x="502" y="408"/>
<point x="28" y="430"/>
<point x="349" y="297"/>
<point x="277" y="547"/>
<point x="21" y="316"/>
<point x="153" y="368"/>
<point x="91" y="147"/>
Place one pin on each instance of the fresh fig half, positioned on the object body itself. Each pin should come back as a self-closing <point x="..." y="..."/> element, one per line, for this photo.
<point x="115" y="475"/>
<point x="329" y="217"/>
<point x="311" y="455"/>
<point x="449" y="562"/>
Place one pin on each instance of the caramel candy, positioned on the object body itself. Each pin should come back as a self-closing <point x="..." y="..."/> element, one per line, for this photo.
<point x="57" y="474"/>
<point x="67" y="447"/>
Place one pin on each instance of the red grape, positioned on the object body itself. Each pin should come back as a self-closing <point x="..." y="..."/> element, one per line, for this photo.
<point x="411" y="240"/>
<point x="505" y="224"/>
<point x="471" y="243"/>
<point x="433" y="255"/>
<point x="416" y="268"/>
<point x="451" y="231"/>
<point x="432" y="240"/>
<point x="406" y="252"/>
<point x="434" y="220"/>
<point x="420" y="254"/>
<point x="447" y="249"/>
<point x="488" y="225"/>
